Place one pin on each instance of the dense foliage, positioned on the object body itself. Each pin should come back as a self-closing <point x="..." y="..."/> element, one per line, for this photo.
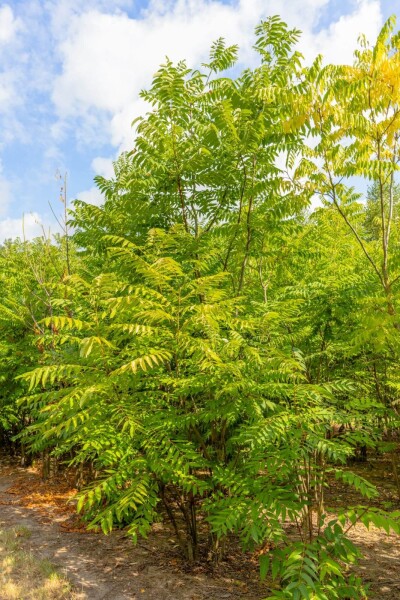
<point x="213" y="349"/>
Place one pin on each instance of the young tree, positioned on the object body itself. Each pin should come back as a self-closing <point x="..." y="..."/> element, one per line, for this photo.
<point x="201" y="367"/>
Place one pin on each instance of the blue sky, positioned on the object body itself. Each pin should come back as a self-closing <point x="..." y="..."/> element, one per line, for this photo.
<point x="71" y="72"/>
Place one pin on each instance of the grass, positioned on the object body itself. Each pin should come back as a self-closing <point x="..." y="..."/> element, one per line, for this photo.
<point x="23" y="576"/>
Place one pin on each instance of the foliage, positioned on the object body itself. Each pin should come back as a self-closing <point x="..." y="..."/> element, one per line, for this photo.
<point x="217" y="352"/>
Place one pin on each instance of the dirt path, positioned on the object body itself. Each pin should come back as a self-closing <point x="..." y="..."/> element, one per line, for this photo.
<point x="110" y="567"/>
<point x="380" y="565"/>
<point x="84" y="559"/>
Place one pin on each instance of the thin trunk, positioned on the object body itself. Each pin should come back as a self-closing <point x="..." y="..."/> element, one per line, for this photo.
<point x="66" y="227"/>
<point x="239" y="219"/>
<point x="171" y="517"/>
<point x="247" y="248"/>
<point x="393" y="455"/>
<point x="45" y="465"/>
<point x="183" y="204"/>
<point x="249" y="231"/>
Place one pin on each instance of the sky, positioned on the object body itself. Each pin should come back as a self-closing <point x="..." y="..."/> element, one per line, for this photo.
<point x="71" y="72"/>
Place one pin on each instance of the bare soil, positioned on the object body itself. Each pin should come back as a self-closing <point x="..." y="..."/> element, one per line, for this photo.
<point x="110" y="567"/>
<point x="380" y="567"/>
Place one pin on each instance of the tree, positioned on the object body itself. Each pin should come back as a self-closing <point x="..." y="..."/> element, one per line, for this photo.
<point x="355" y="114"/>
<point x="28" y="271"/>
<point x="215" y="331"/>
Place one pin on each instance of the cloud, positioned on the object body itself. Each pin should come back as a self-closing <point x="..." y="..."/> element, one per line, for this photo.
<point x="338" y="42"/>
<point x="103" y="166"/>
<point x="13" y="82"/>
<point x="108" y="57"/>
<point x="71" y="72"/>
<point x="91" y="196"/>
<point x="5" y="193"/>
<point x="9" y="25"/>
<point x="27" y="227"/>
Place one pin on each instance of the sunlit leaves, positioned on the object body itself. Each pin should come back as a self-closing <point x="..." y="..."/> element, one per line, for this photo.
<point x="221" y="350"/>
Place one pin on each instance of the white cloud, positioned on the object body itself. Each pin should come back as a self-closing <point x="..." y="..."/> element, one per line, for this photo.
<point x="9" y="25"/>
<point x="122" y="134"/>
<point x="5" y="193"/>
<point x="103" y="166"/>
<point x="12" y="89"/>
<point x="338" y="42"/>
<point x="8" y="92"/>
<point x="91" y="196"/>
<point x="108" y="58"/>
<point x="91" y="59"/>
<point x="27" y="227"/>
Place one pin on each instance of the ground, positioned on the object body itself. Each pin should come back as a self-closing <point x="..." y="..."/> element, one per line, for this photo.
<point x="46" y="541"/>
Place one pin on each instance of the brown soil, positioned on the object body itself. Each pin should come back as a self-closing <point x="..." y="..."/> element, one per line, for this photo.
<point x="110" y="567"/>
<point x="380" y="567"/>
